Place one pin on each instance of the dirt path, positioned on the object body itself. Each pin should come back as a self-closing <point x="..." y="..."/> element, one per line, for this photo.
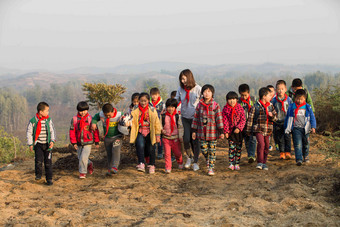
<point x="286" y="195"/>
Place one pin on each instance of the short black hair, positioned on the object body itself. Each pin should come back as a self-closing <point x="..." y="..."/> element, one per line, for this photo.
<point x="210" y="87"/>
<point x="154" y="90"/>
<point x="243" y="88"/>
<point x="107" y="108"/>
<point x="300" y="92"/>
<point x="280" y="82"/>
<point x="42" y="106"/>
<point x="173" y="94"/>
<point x="82" y="106"/>
<point x="231" y="95"/>
<point x="270" y="86"/>
<point x="171" y="102"/>
<point x="263" y="91"/>
<point x="134" y="96"/>
<point x="144" y="94"/>
<point x="297" y="82"/>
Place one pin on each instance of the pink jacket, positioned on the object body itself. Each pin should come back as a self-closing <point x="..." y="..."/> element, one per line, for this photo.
<point x="239" y="120"/>
<point x="85" y="135"/>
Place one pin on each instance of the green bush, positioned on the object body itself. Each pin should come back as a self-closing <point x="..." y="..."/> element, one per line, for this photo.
<point x="8" y="145"/>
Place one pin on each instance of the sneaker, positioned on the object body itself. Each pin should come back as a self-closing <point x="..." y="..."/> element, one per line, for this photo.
<point x="251" y="159"/>
<point x="259" y="166"/>
<point x="108" y="173"/>
<point x="180" y="166"/>
<point x="208" y="163"/>
<point x="277" y="147"/>
<point x="82" y="175"/>
<point x="299" y="163"/>
<point x="231" y="167"/>
<point x="188" y="163"/>
<point x="159" y="156"/>
<point x="90" y="168"/>
<point x="37" y="178"/>
<point x="237" y="167"/>
<point x="282" y="155"/>
<point x="114" y="170"/>
<point x="288" y="155"/>
<point x="270" y="148"/>
<point x="168" y="171"/>
<point x="264" y="167"/>
<point x="195" y="167"/>
<point x="49" y="182"/>
<point x="152" y="169"/>
<point x="173" y="159"/>
<point x="306" y="160"/>
<point x="141" y="167"/>
<point x="211" y="172"/>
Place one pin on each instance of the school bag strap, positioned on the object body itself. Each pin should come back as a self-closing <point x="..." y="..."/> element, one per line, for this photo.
<point x="163" y="119"/>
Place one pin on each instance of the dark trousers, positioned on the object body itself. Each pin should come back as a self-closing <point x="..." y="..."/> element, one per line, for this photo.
<point x="144" y="144"/>
<point x="43" y="155"/>
<point x="187" y="139"/>
<point x="281" y="138"/>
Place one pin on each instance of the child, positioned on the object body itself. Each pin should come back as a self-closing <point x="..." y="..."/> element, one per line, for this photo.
<point x="296" y="85"/>
<point x="281" y="103"/>
<point x="260" y="122"/>
<point x="41" y="138"/>
<point x="112" y="140"/>
<point x="189" y="94"/>
<point x="207" y="125"/>
<point x="82" y="137"/>
<point x="179" y="104"/>
<point x="300" y="121"/>
<point x="145" y="131"/>
<point x="157" y="102"/>
<point x="272" y="93"/>
<point x="247" y="102"/>
<point x="234" y="121"/>
<point x="134" y="101"/>
<point x="172" y="131"/>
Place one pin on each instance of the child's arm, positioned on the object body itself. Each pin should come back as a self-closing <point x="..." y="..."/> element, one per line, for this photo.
<point x="219" y="121"/>
<point x="73" y="137"/>
<point x="180" y="129"/>
<point x="29" y="135"/>
<point x="225" y="121"/>
<point x="242" y="122"/>
<point x="195" y="123"/>
<point x="312" y="120"/>
<point x="53" y="134"/>
<point x="157" y="126"/>
<point x="310" y="101"/>
<point x="94" y="122"/>
<point x="250" y="120"/>
<point x="273" y="115"/>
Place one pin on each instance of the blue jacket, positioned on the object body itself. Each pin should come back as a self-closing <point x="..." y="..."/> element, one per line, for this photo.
<point x="310" y="121"/>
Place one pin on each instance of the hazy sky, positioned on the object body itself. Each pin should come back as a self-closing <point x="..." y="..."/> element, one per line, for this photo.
<point x="63" y="34"/>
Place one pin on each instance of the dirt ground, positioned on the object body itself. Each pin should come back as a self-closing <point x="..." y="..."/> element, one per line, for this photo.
<point x="286" y="195"/>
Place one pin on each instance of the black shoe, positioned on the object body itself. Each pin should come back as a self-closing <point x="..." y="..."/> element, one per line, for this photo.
<point x="49" y="183"/>
<point x="37" y="178"/>
<point x="299" y="163"/>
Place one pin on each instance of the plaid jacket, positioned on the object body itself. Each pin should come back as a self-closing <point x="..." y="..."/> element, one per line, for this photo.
<point x="245" y="106"/>
<point x="239" y="119"/>
<point x="260" y="124"/>
<point x="214" y="126"/>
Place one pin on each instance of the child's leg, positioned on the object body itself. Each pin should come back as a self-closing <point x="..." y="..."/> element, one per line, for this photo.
<point x="116" y="147"/>
<point x="288" y="141"/>
<point x="160" y="147"/>
<point x="108" y="143"/>
<point x="167" y="154"/>
<point x="186" y="136"/>
<point x="176" y="148"/>
<point x="266" y="149"/>
<point x="232" y="150"/>
<point x="212" y="153"/>
<point x="149" y="147"/>
<point x="297" y="141"/>
<point x="238" y="153"/>
<point x="38" y="160"/>
<point x="140" y="146"/>
<point x="204" y="149"/>
<point x="83" y="156"/>
<point x="48" y="163"/>
<point x="260" y="148"/>
<point x="305" y="144"/>
<point x="279" y="137"/>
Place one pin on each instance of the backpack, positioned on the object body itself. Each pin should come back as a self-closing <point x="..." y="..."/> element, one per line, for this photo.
<point x="163" y="119"/>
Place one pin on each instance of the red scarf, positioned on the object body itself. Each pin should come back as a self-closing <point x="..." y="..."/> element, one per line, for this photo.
<point x="297" y="109"/>
<point x="157" y="101"/>
<point x="143" y="110"/>
<point x="108" y="120"/>
<point x="173" y="120"/>
<point x="206" y="105"/>
<point x="282" y="102"/>
<point x="38" y="130"/>
<point x="233" y="111"/>
<point x="247" y="102"/>
<point x="266" y="108"/>
<point x="82" y="121"/>
<point x="187" y="95"/>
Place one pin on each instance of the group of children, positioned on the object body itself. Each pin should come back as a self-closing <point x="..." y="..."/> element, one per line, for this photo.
<point x="189" y="122"/>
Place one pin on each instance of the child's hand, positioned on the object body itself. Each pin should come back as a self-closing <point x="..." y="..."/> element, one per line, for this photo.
<point x="75" y="146"/>
<point x="222" y="136"/>
<point x="181" y="140"/>
<point x="237" y="130"/>
<point x="97" y="146"/>
<point x="93" y="127"/>
<point x="163" y="131"/>
<point x="226" y="135"/>
<point x="158" y="139"/>
<point x="313" y="130"/>
<point x="31" y="148"/>
<point x="194" y="136"/>
<point x="51" y="145"/>
<point x="270" y="114"/>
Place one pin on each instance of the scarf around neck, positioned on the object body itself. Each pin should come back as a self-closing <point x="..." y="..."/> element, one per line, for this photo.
<point x="38" y="130"/>
<point x="108" y="120"/>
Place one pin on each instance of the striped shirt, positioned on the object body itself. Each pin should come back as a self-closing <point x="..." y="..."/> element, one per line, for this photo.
<point x="43" y="134"/>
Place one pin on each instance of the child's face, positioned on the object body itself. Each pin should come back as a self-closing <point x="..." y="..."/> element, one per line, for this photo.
<point x="281" y="90"/>
<point x="272" y="92"/>
<point x="108" y="115"/>
<point x="143" y="101"/>
<point x="207" y="94"/>
<point x="170" y="109"/>
<point x="184" y="80"/>
<point x="296" y="88"/>
<point x="244" y="95"/>
<point x="154" y="97"/>
<point x="135" y="102"/>
<point x="300" y="99"/>
<point x="266" y="98"/>
<point x="232" y="102"/>
<point x="45" y="112"/>
<point x="83" y="113"/>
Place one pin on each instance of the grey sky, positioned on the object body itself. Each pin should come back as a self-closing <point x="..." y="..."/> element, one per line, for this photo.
<point x="64" y="34"/>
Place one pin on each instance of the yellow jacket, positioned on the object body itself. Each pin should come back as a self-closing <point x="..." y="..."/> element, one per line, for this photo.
<point x="155" y="125"/>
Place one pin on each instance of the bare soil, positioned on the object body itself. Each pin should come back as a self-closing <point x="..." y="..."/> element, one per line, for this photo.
<point x="286" y="195"/>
